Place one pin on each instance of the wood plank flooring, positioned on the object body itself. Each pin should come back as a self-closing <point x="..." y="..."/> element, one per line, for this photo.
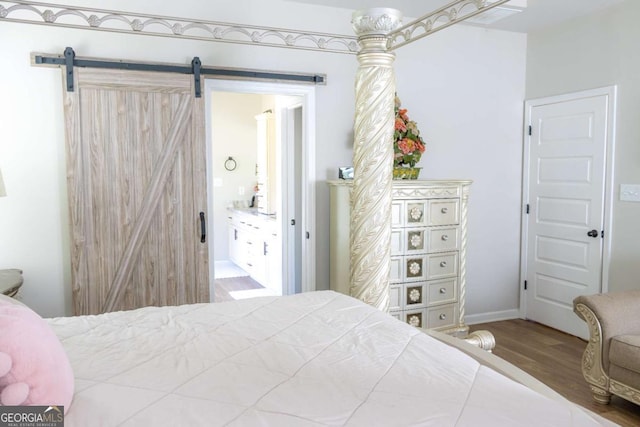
<point x="224" y="286"/>
<point x="554" y="358"/>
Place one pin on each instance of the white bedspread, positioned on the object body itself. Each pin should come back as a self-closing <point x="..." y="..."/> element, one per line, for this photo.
<point x="311" y="359"/>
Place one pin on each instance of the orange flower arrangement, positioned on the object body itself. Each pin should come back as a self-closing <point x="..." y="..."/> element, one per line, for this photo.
<point x="408" y="145"/>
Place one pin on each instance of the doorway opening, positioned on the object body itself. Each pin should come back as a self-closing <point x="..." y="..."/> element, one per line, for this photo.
<point x="260" y="170"/>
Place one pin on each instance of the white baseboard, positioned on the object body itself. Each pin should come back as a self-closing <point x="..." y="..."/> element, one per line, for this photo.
<point x="495" y="316"/>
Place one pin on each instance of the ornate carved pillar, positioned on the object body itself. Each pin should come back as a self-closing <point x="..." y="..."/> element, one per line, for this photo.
<point x="373" y="157"/>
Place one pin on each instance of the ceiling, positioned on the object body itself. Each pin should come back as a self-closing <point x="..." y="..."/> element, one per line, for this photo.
<point x="537" y="15"/>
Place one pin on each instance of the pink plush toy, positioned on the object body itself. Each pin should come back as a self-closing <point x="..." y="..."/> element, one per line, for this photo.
<point x="34" y="369"/>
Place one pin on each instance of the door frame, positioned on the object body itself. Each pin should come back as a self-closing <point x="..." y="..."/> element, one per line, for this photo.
<point x="289" y="179"/>
<point x="308" y="221"/>
<point x="608" y="197"/>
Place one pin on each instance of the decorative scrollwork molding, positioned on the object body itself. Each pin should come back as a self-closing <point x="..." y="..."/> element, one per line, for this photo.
<point x="439" y="19"/>
<point x="592" y="369"/>
<point x="410" y="192"/>
<point x="482" y="339"/>
<point x="625" y="391"/>
<point x="165" y="26"/>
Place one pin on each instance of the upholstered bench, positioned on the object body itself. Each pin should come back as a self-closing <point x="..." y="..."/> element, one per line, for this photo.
<point x="611" y="361"/>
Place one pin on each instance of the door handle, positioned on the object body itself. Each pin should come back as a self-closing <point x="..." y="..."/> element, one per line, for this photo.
<point x="203" y="229"/>
<point x="592" y="233"/>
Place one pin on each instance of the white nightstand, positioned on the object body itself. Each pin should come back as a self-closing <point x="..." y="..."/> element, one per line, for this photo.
<point x="10" y="281"/>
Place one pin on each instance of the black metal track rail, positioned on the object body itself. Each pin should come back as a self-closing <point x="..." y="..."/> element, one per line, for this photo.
<point x="69" y="61"/>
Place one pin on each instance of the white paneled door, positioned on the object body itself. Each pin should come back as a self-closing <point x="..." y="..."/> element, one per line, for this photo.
<point x="564" y="221"/>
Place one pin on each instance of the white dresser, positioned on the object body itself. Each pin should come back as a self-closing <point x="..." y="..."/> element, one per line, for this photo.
<point x="428" y="247"/>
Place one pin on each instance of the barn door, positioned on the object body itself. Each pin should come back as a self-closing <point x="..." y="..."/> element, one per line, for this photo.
<point x="136" y="158"/>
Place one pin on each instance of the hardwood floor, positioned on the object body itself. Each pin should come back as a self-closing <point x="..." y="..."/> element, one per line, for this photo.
<point x="224" y="286"/>
<point x="554" y="358"/>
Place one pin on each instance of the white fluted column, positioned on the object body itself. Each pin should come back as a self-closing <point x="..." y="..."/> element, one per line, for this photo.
<point x="373" y="157"/>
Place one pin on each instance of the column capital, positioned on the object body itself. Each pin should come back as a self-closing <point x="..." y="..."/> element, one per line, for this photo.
<point x="376" y="22"/>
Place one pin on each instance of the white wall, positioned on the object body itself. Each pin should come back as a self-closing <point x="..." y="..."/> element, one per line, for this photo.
<point x="464" y="86"/>
<point x="590" y="52"/>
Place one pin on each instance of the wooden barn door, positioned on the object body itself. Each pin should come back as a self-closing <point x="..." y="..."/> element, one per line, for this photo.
<point x="136" y="159"/>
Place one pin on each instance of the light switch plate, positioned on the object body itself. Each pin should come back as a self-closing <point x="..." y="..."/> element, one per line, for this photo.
<point x="630" y="193"/>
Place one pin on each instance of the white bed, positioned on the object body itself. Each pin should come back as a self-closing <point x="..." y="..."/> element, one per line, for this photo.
<point x="317" y="358"/>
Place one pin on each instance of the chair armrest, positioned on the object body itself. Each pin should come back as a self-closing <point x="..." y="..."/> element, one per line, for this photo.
<point x="607" y="315"/>
<point x="617" y="312"/>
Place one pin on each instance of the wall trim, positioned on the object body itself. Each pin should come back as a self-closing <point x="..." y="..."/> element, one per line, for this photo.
<point x="494" y="316"/>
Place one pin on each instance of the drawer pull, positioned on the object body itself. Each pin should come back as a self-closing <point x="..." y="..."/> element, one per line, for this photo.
<point x="445" y="237"/>
<point x="444" y="210"/>
<point x="443" y="264"/>
<point x="442" y="316"/>
<point x="443" y="290"/>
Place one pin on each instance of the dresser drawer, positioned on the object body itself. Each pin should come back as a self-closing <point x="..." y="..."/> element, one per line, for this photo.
<point x="415" y="268"/>
<point x="443" y="239"/>
<point x="444" y="212"/>
<point x="415" y="213"/>
<point x="395" y="297"/>
<point x="442" y="291"/>
<point x="397" y="241"/>
<point x="442" y="265"/>
<point x="415" y="240"/>
<point x="416" y="317"/>
<point x="397" y="214"/>
<point x="396" y="273"/>
<point x="442" y="316"/>
<point x="415" y="295"/>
